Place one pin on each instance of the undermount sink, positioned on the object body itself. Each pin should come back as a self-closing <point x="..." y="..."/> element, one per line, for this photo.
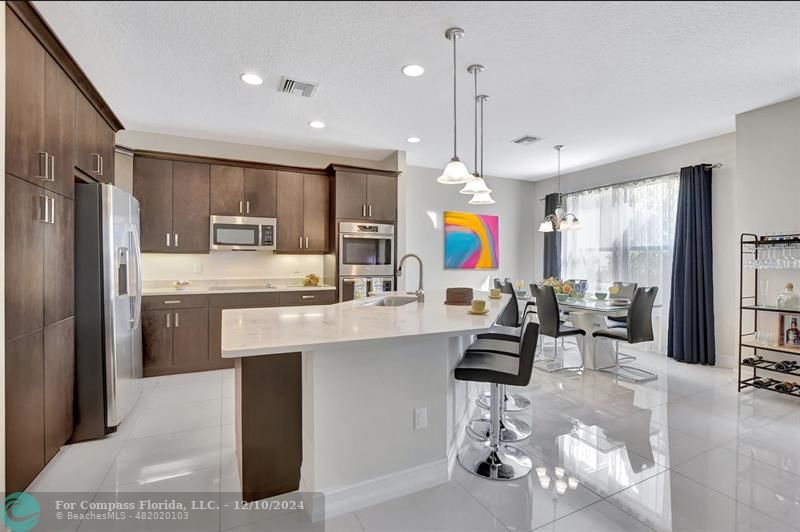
<point x="392" y="301"/>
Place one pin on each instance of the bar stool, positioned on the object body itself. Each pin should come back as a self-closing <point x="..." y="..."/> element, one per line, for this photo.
<point x="491" y="458"/>
<point x="509" y="323"/>
<point x="639" y="329"/>
<point x="550" y="323"/>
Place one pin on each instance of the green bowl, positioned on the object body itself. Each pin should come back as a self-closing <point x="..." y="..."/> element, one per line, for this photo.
<point x="600" y="295"/>
<point x="562" y="297"/>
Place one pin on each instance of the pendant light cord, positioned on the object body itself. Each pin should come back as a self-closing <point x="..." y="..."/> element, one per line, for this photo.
<point x="475" y="74"/>
<point x="455" y="112"/>
<point x="482" y="100"/>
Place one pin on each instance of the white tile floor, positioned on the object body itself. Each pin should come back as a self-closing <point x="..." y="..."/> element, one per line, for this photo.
<point x="685" y="453"/>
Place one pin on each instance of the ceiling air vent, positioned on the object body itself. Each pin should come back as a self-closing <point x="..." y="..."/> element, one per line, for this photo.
<point x="525" y="140"/>
<point x="306" y="89"/>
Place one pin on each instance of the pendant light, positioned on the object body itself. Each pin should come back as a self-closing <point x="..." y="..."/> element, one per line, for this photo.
<point x="455" y="173"/>
<point x="483" y="197"/>
<point x="477" y="185"/>
<point x="559" y="220"/>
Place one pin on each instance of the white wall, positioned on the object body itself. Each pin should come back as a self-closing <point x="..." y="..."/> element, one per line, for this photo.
<point x="721" y="149"/>
<point x="228" y="265"/>
<point x="422" y="202"/>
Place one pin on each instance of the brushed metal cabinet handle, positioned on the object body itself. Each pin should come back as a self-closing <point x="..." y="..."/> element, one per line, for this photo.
<point x="96" y="157"/>
<point x="247" y="206"/>
<point x="364" y="211"/>
<point x="52" y="168"/>
<point x="168" y="240"/>
<point x="240" y="207"/>
<point x="301" y="242"/>
<point x="101" y="164"/>
<point x="169" y="315"/>
<point x="308" y="297"/>
<point x="177" y="320"/>
<point x="52" y="202"/>
<point x="44" y="156"/>
<point x="177" y="242"/>
<point x="42" y="209"/>
<point x="306" y="242"/>
<point x="172" y="301"/>
<point x="370" y="211"/>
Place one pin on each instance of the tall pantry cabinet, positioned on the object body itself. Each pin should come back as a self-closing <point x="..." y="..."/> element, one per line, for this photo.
<point x="43" y="88"/>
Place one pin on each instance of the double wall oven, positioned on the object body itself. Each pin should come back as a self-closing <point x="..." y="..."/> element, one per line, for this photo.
<point x="366" y="259"/>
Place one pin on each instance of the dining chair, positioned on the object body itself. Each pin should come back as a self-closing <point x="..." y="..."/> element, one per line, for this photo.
<point x="625" y="291"/>
<point x="639" y="329"/>
<point x="550" y="325"/>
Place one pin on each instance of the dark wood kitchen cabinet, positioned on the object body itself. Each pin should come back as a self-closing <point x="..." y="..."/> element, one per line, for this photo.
<point x="190" y="207"/>
<point x="24" y="410"/>
<point x="156" y="341"/>
<point x="175" y="334"/>
<point x="53" y="114"/>
<point x="152" y="186"/>
<point x="227" y="190"/>
<point x="95" y="142"/>
<point x="59" y="379"/>
<point x="190" y="337"/>
<point x="40" y="112"/>
<point x="303" y="212"/>
<point x="361" y="195"/>
<point x="237" y="191"/>
<point x="174" y="201"/>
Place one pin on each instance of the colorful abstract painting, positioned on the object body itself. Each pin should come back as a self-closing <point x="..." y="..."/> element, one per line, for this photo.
<point x="471" y="241"/>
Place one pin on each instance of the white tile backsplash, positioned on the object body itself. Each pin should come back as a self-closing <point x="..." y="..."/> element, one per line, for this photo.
<point x="228" y="265"/>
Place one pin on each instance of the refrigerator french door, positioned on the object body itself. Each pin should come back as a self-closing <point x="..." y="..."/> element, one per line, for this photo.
<point x="108" y="279"/>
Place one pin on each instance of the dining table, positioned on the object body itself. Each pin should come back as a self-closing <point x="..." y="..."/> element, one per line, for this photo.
<point x="589" y="315"/>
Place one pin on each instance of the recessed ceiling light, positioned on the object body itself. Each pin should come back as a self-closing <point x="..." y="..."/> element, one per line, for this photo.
<point x="413" y="71"/>
<point x="413" y="140"/>
<point x="316" y="124"/>
<point x="251" y="79"/>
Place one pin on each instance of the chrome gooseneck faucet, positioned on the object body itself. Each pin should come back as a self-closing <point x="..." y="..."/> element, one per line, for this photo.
<point x="420" y="293"/>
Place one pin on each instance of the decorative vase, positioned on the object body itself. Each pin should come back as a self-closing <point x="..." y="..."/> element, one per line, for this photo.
<point x="788" y="299"/>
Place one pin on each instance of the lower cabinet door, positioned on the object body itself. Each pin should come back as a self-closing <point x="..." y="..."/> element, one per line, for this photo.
<point x="189" y="336"/>
<point x="24" y="410"/>
<point x="156" y="340"/>
<point x="59" y="378"/>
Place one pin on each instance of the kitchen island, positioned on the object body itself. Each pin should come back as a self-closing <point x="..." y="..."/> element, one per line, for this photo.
<point x="355" y="401"/>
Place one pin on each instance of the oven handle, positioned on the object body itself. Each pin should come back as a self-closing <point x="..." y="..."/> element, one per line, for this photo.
<point x="371" y="236"/>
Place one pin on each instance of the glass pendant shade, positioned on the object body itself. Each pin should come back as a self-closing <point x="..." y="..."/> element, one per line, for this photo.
<point x="476" y="186"/>
<point x="482" y="198"/>
<point x="455" y="173"/>
<point x="546" y="227"/>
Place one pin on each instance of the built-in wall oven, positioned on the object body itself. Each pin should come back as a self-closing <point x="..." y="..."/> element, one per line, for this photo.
<point x="242" y="233"/>
<point x="366" y="249"/>
<point x="351" y="288"/>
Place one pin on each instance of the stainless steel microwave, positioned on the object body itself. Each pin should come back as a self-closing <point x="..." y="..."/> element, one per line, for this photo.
<point x="242" y="233"/>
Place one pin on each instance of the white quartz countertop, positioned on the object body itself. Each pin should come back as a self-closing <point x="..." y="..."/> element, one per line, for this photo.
<point x="230" y="289"/>
<point x="265" y="331"/>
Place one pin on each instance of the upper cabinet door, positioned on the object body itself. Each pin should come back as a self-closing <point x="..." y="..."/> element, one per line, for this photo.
<point x="351" y="195"/>
<point x="86" y="156"/>
<point x="25" y="71"/>
<point x="227" y="190"/>
<point x="27" y="207"/>
<point x="59" y="260"/>
<point x="152" y="186"/>
<point x="104" y="136"/>
<point x="290" y="212"/>
<point x="316" y="205"/>
<point x="260" y="192"/>
<point x="190" y="205"/>
<point x="382" y="197"/>
<point x="59" y="131"/>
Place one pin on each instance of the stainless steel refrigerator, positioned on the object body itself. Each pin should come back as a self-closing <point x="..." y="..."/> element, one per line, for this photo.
<point x="108" y="315"/>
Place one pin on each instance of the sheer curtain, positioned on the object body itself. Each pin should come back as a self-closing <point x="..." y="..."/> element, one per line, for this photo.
<point x="628" y="235"/>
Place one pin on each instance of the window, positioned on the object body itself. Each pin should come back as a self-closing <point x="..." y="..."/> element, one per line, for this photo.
<point x="628" y="235"/>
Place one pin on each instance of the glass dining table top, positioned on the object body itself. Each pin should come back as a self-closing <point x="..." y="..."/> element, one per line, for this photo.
<point x="605" y="306"/>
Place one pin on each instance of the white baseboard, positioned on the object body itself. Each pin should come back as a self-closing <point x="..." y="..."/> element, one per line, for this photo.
<point x="377" y="490"/>
<point x="347" y="499"/>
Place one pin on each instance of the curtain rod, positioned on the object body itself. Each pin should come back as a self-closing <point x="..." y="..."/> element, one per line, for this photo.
<point x="715" y="165"/>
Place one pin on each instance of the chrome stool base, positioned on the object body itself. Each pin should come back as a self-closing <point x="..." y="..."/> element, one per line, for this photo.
<point x="514" y="402"/>
<point x="504" y="462"/>
<point x="511" y="429"/>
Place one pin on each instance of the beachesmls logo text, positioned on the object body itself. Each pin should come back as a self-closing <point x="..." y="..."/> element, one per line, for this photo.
<point x="22" y="512"/>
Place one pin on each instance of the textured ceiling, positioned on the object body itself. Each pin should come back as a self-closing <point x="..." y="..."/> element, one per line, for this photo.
<point x="607" y="79"/>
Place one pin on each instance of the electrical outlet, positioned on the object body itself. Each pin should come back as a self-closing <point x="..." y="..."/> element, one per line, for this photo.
<point x="198" y="267"/>
<point x="420" y="418"/>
